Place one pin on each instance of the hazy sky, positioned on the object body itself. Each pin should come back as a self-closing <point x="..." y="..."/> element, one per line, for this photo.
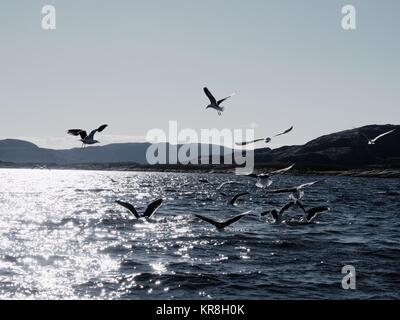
<point x="138" y="64"/>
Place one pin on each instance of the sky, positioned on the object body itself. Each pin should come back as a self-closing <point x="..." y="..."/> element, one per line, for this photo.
<point x="136" y="65"/>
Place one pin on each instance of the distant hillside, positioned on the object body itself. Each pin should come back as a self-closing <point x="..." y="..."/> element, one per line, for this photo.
<point x="345" y="148"/>
<point x="22" y="152"/>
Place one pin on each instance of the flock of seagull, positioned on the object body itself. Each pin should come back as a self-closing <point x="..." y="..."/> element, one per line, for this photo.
<point x="264" y="180"/>
<point x="296" y="195"/>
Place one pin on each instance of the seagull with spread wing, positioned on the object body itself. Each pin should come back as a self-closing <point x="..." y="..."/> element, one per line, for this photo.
<point x="266" y="140"/>
<point x="150" y="211"/>
<point x="373" y="141"/>
<point x="264" y="179"/>
<point x="214" y="104"/>
<point x="309" y="216"/>
<point x="278" y="215"/>
<point x="85" y="138"/>
<point x="224" y="224"/>
<point x="296" y="193"/>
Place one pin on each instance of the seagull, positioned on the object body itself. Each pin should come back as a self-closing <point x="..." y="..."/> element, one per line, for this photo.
<point x="285" y="132"/>
<point x="296" y="193"/>
<point x="279" y="215"/>
<point x="266" y="140"/>
<point x="264" y="179"/>
<point x="309" y="216"/>
<point x="150" y="211"/>
<point x="214" y="104"/>
<point x="87" y="139"/>
<point x="226" y="183"/>
<point x="224" y="224"/>
<point x="373" y="141"/>
<point x="236" y="197"/>
<point x="313" y="213"/>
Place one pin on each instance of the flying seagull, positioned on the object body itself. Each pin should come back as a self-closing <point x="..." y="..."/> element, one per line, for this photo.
<point x="285" y="132"/>
<point x="313" y="213"/>
<point x="279" y="215"/>
<point x="226" y="183"/>
<point x="87" y="139"/>
<point x="266" y="140"/>
<point x="150" y="211"/>
<point x="309" y="217"/>
<point x="224" y="224"/>
<point x="214" y="104"/>
<point x="264" y="179"/>
<point x="245" y="143"/>
<point x="373" y="141"/>
<point x="236" y="197"/>
<point x="296" y="193"/>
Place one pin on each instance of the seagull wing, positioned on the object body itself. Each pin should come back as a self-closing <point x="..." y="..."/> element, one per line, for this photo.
<point x="74" y="132"/>
<point x="77" y="132"/>
<point x="237" y="196"/>
<point x="152" y="208"/>
<point x="289" y="190"/>
<point x="216" y="224"/>
<point x="221" y="185"/>
<point x="234" y="219"/>
<point x="312" y="212"/>
<point x="210" y="96"/>
<point x="382" y="135"/>
<point x="130" y="207"/>
<point x="224" y="184"/>
<point x="100" y="129"/>
<point x="248" y="142"/>
<point x="282" y="170"/>
<point x="286" y="131"/>
<point x="286" y="207"/>
<point x="222" y="100"/>
<point x="309" y="184"/>
<point x="300" y="205"/>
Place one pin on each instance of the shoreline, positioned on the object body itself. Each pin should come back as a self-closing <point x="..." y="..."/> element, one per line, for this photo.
<point x="365" y="172"/>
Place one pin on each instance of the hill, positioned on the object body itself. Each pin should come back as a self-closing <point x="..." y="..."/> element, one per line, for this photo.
<point x="347" y="148"/>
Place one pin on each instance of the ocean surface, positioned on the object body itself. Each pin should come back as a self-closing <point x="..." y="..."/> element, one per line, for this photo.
<point x="63" y="237"/>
